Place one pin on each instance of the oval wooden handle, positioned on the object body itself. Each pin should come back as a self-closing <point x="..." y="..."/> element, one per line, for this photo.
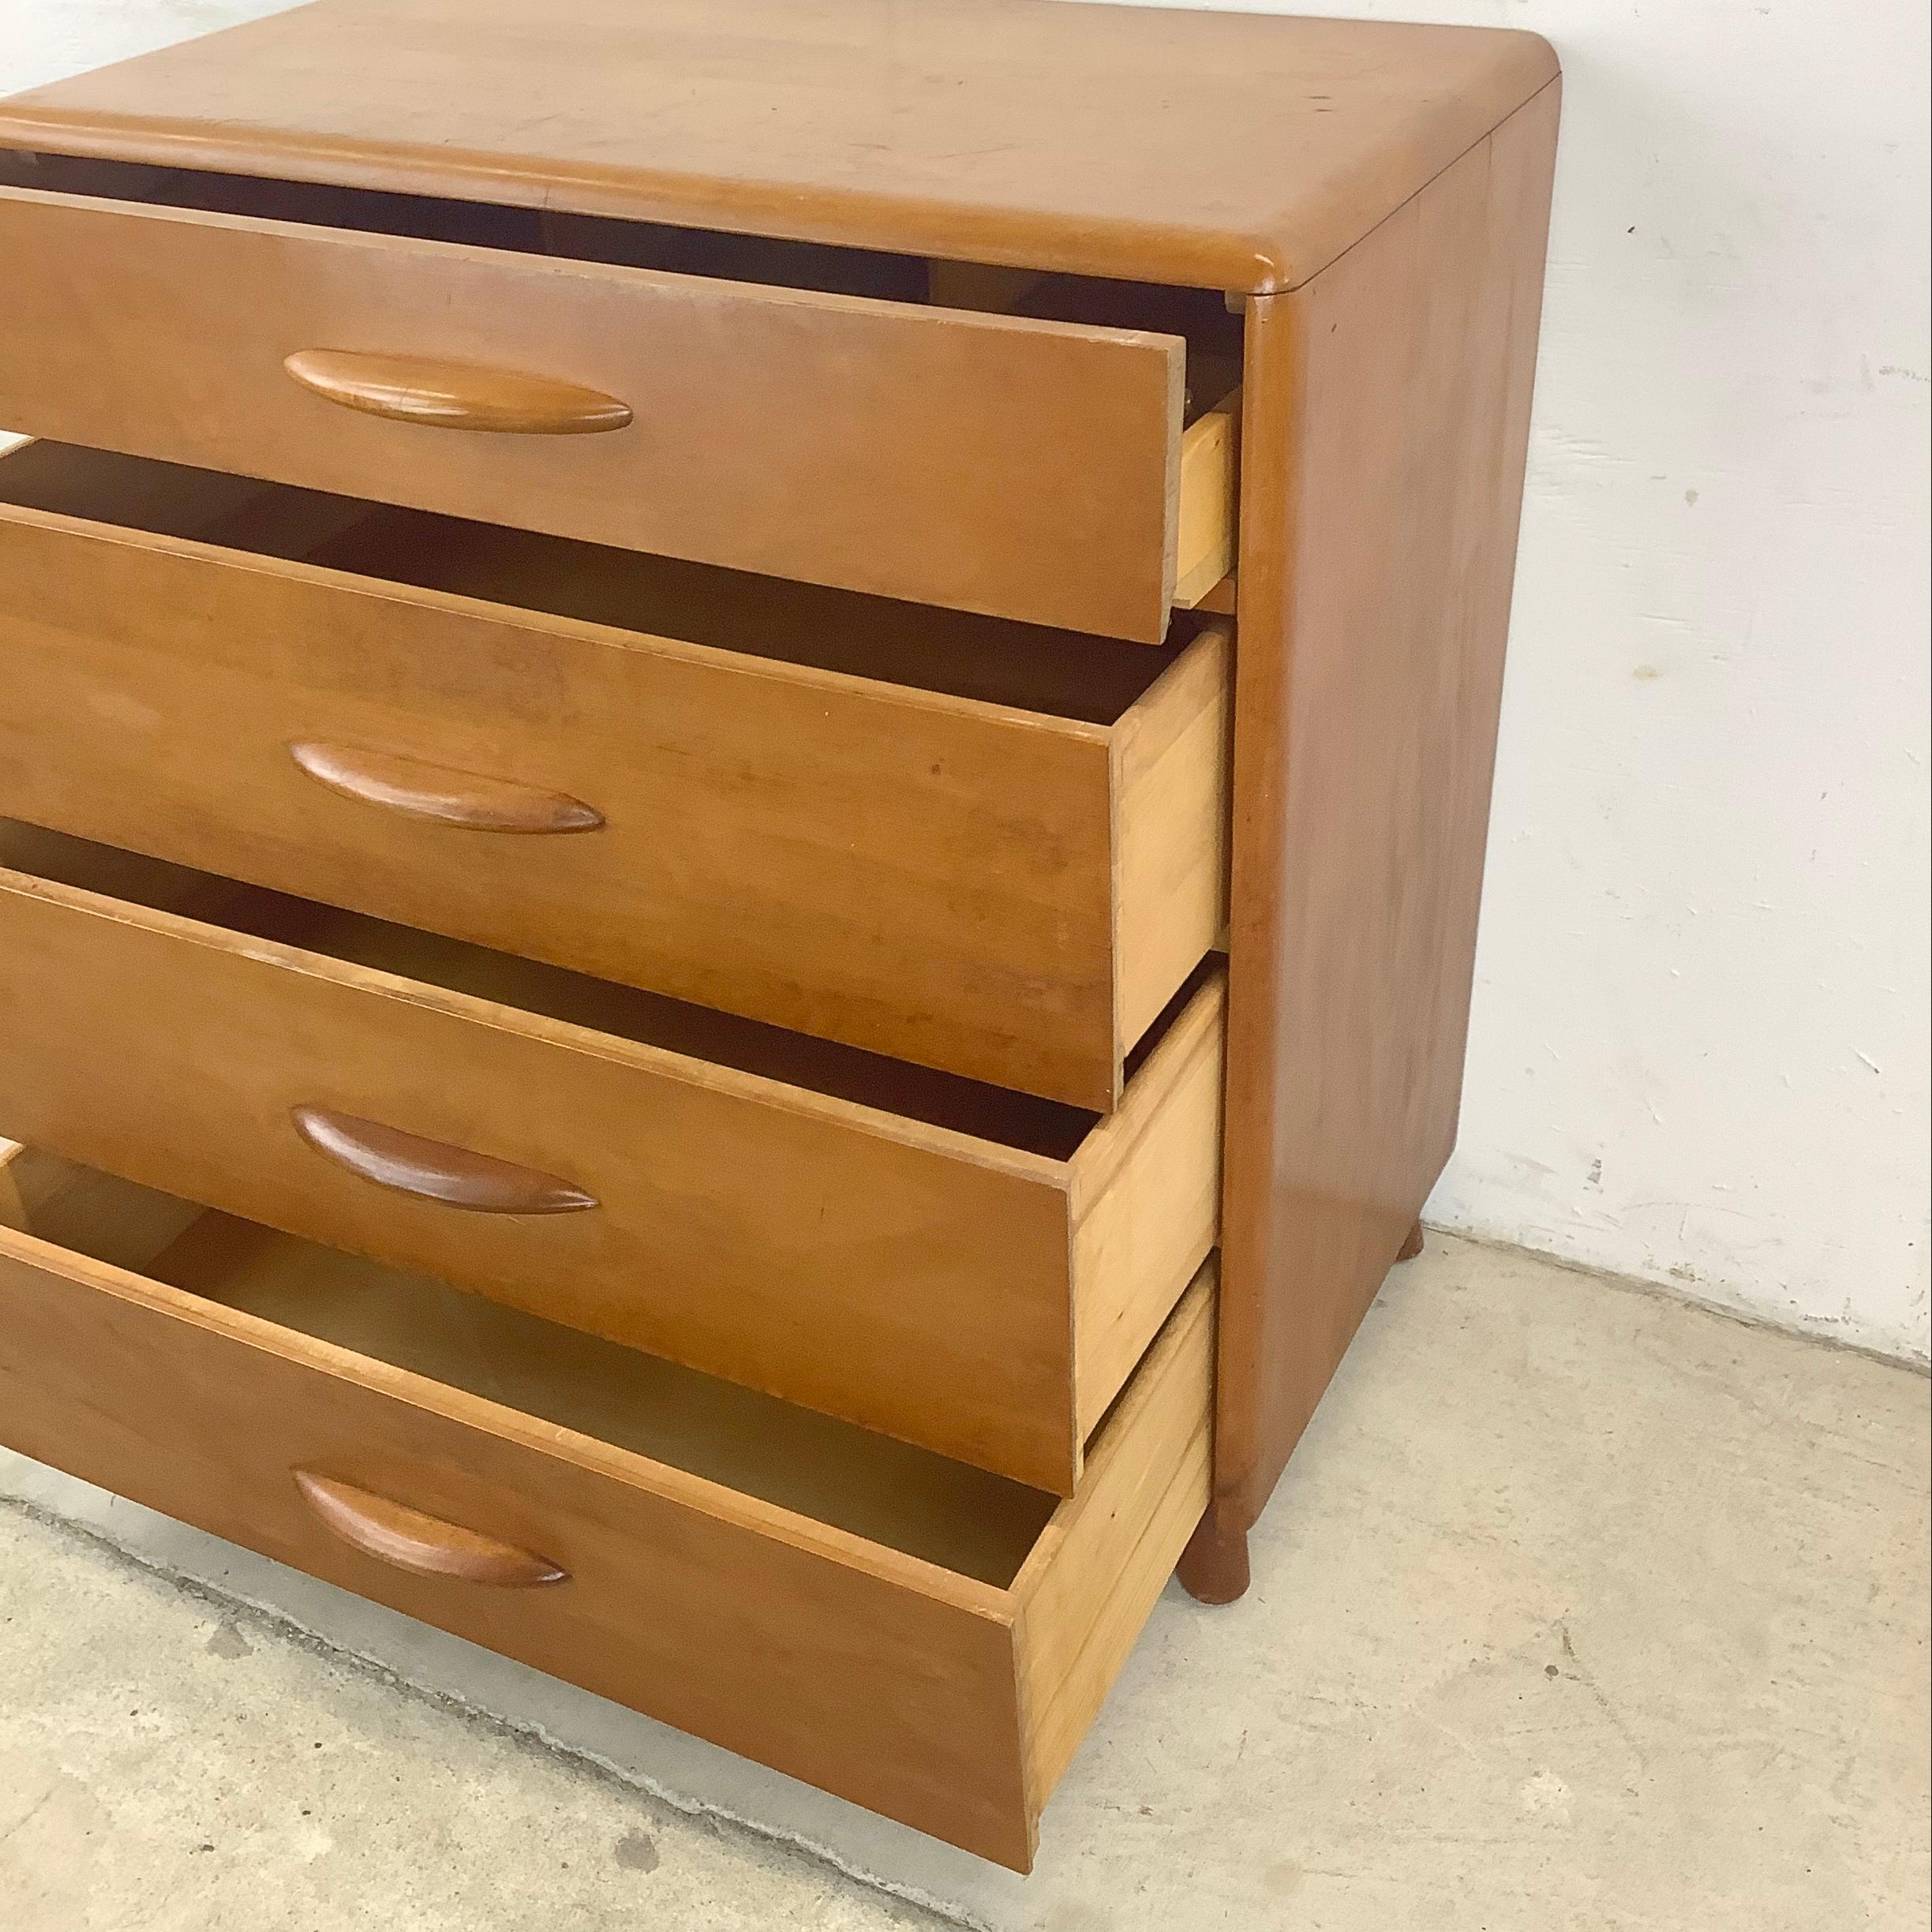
<point x="455" y="395"/>
<point x="431" y="1171"/>
<point x="393" y="1534"/>
<point x="446" y="797"/>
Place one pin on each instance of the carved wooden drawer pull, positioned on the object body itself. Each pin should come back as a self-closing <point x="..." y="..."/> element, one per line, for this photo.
<point x="393" y="1534"/>
<point x="431" y="1171"/>
<point x="455" y="395"/>
<point x="435" y="792"/>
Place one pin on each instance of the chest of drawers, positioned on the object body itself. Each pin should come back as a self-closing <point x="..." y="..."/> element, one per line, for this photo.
<point x="744" y="755"/>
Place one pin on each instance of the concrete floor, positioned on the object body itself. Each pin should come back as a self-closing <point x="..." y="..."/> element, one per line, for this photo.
<point x="1582" y="1608"/>
<point x="171" y="1763"/>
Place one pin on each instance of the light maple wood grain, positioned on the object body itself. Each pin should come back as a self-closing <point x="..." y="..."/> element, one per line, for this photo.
<point x="1171" y="754"/>
<point x="112" y="1220"/>
<point x="1388" y="408"/>
<point x="1375" y="197"/>
<point x="905" y="1250"/>
<point x="1027" y="469"/>
<point x="933" y="1696"/>
<point x="1207" y="523"/>
<point x="13" y="1198"/>
<point x="988" y="848"/>
<point x="1090" y="1582"/>
<point x="876" y="1675"/>
<point x="852" y="1480"/>
<point x="1220" y="151"/>
<point x="1146" y="1197"/>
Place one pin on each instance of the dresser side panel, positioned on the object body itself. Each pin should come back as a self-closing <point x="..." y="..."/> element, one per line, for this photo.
<point x="1387" y="435"/>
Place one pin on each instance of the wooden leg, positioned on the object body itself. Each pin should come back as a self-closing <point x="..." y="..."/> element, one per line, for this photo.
<point x="1213" y="1568"/>
<point x="1413" y="1246"/>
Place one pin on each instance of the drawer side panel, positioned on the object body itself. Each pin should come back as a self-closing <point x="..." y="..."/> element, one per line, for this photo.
<point x="1094" y="1577"/>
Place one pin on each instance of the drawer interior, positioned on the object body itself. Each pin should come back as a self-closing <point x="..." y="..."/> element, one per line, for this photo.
<point x="1061" y="674"/>
<point x="1010" y="1119"/>
<point x="903" y="1498"/>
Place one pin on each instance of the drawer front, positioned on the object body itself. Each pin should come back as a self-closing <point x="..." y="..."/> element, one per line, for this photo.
<point x="1027" y="468"/>
<point x="885" y="1679"/>
<point x="976" y="1298"/>
<point x="1010" y="896"/>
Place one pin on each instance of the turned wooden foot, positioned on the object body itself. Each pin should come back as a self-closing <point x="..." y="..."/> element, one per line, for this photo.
<point x="1413" y="1246"/>
<point x="1213" y="1568"/>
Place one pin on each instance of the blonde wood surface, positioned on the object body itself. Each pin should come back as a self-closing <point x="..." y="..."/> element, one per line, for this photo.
<point x="897" y="1247"/>
<point x="988" y="848"/>
<point x="439" y="392"/>
<point x="869" y="1485"/>
<point x="1171" y="755"/>
<point x="1210" y="483"/>
<point x="12" y="1197"/>
<point x="1147" y="1188"/>
<point x="880" y="1677"/>
<point x="1388" y="408"/>
<point x="865" y="1485"/>
<point x="113" y="1219"/>
<point x="1024" y="468"/>
<point x="961" y="1264"/>
<point x="935" y="1697"/>
<point x="1092" y="1580"/>
<point x="977" y="130"/>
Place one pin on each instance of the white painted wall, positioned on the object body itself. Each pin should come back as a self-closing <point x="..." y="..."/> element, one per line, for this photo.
<point x="1700" y="1046"/>
<point x="1700" y="1043"/>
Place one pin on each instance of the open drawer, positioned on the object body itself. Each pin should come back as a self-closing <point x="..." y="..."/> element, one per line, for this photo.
<point x="928" y="1641"/>
<point x="985" y="848"/>
<point x="1027" y="468"/>
<point x="955" y="1265"/>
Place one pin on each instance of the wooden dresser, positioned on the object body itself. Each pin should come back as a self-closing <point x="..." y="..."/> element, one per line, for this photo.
<point x="744" y="755"/>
